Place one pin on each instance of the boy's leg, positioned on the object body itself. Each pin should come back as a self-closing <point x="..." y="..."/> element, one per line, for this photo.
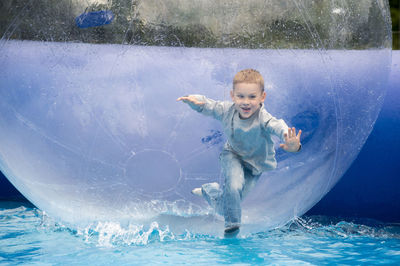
<point x="232" y="170"/>
<point x="212" y="194"/>
<point x="250" y="179"/>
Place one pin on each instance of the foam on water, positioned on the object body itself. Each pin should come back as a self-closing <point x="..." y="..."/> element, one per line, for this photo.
<point x="30" y="236"/>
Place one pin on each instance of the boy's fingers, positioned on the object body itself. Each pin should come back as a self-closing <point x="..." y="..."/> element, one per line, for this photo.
<point x="185" y="99"/>
<point x="298" y="135"/>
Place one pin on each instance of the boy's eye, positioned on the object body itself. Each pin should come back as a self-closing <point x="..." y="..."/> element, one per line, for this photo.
<point x="240" y="96"/>
<point x="252" y="96"/>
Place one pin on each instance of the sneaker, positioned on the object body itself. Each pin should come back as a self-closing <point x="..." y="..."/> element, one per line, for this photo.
<point x="197" y="191"/>
<point x="214" y="185"/>
<point x="232" y="230"/>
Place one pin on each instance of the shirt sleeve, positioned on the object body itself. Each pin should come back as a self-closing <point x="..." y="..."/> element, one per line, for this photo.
<point x="274" y="126"/>
<point x="213" y="108"/>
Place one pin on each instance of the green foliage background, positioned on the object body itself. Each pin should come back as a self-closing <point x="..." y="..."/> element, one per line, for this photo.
<point x="179" y="23"/>
<point x="395" y="14"/>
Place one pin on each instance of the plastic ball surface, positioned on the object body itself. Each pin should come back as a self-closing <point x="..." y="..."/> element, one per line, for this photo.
<point x="90" y="129"/>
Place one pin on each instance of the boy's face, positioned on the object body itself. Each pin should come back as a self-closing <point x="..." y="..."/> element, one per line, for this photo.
<point x="248" y="98"/>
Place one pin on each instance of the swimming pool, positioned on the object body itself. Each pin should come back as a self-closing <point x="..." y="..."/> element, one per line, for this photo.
<point x="28" y="236"/>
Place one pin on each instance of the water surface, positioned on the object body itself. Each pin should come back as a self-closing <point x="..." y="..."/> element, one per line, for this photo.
<point x="29" y="236"/>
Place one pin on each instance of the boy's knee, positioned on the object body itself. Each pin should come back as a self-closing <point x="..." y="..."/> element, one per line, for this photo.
<point x="235" y="184"/>
<point x="226" y="158"/>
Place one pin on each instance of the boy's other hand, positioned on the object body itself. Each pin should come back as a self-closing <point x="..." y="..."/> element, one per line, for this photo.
<point x="190" y="99"/>
<point x="292" y="141"/>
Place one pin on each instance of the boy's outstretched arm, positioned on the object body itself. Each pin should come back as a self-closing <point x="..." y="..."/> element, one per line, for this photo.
<point x="205" y="106"/>
<point x="292" y="141"/>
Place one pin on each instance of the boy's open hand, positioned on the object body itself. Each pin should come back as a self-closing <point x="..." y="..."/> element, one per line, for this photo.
<point x="292" y="142"/>
<point x="190" y="99"/>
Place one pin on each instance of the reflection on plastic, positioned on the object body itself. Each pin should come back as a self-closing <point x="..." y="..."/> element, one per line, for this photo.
<point x="215" y="137"/>
<point x="94" y="19"/>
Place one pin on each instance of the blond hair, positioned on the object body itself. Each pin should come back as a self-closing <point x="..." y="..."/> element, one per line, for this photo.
<point x="249" y="76"/>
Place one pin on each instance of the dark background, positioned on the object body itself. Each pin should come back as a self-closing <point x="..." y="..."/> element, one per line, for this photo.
<point x="395" y="13"/>
<point x="371" y="186"/>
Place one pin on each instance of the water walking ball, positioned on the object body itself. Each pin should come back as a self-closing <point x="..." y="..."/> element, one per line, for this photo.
<point x="90" y="129"/>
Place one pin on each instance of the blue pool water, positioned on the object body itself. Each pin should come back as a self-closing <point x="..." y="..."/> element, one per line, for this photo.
<point x="29" y="236"/>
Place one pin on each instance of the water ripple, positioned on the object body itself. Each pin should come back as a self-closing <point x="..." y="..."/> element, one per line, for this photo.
<point x="28" y="235"/>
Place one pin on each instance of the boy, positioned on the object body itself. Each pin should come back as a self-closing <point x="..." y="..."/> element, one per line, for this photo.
<point x="249" y="150"/>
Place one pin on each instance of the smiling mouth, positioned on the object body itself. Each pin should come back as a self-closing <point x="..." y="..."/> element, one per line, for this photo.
<point x="246" y="109"/>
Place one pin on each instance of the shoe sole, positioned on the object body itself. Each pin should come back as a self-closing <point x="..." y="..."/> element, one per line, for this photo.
<point x="232" y="230"/>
